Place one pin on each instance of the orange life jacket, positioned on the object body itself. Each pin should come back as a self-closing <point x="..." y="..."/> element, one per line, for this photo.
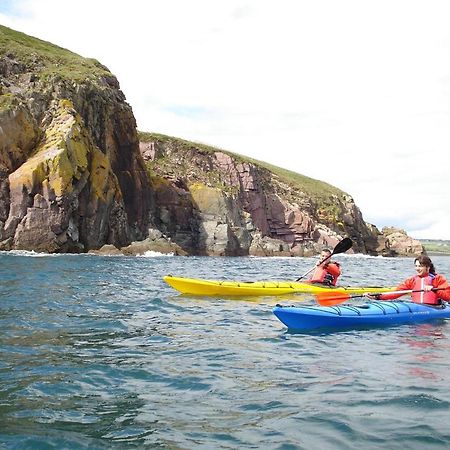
<point x="327" y="275"/>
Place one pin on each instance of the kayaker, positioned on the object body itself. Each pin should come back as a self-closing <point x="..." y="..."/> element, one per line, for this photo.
<point x="426" y="281"/>
<point x="326" y="272"/>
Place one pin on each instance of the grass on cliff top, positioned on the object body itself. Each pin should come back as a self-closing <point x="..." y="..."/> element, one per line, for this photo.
<point x="46" y="58"/>
<point x="312" y="187"/>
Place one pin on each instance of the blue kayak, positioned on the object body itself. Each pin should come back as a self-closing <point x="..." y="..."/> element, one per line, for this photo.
<point x="374" y="313"/>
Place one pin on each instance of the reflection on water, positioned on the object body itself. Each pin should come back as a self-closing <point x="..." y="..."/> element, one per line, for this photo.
<point x="429" y="344"/>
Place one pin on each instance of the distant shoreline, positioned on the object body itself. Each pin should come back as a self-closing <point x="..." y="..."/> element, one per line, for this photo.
<point x="436" y="247"/>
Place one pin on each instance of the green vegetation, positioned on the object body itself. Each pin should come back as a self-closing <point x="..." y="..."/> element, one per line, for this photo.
<point x="310" y="185"/>
<point x="315" y="189"/>
<point x="47" y="60"/>
<point x="436" y="247"/>
<point x="186" y="170"/>
<point x="164" y="139"/>
<point x="6" y="101"/>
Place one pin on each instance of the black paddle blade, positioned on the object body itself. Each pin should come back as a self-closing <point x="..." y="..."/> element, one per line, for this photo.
<point x="343" y="246"/>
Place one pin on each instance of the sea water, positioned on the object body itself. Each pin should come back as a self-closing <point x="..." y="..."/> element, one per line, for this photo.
<point x="99" y="353"/>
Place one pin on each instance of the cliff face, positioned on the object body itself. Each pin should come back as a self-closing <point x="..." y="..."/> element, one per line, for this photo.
<point x="71" y="175"/>
<point x="216" y="203"/>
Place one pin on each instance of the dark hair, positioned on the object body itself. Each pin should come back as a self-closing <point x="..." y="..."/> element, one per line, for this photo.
<point x="425" y="261"/>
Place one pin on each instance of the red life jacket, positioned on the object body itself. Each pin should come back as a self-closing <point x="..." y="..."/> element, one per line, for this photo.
<point x="322" y="275"/>
<point x="428" y="297"/>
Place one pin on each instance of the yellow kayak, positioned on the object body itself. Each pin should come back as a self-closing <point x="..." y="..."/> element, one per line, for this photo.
<point x="194" y="286"/>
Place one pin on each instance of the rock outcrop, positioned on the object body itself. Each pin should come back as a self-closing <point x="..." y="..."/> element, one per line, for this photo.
<point x="395" y="242"/>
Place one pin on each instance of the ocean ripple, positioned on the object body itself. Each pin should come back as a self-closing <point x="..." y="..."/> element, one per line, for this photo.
<point x="99" y="353"/>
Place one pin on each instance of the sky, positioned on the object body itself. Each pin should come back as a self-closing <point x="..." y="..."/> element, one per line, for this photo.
<point x="352" y="92"/>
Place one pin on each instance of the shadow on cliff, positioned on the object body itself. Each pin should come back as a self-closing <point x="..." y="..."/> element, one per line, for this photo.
<point x="197" y="230"/>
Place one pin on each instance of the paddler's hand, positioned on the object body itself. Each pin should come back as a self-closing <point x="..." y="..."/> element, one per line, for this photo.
<point x="372" y="296"/>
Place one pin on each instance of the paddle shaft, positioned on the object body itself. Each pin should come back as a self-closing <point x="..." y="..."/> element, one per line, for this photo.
<point x="408" y="291"/>
<point x="325" y="299"/>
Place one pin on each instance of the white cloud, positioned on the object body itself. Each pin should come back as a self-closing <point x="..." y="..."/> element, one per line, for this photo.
<point x="353" y="93"/>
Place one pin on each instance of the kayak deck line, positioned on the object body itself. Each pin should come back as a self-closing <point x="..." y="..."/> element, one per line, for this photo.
<point x="340" y="309"/>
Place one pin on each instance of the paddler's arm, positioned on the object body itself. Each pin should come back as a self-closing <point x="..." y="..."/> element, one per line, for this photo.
<point x="440" y="283"/>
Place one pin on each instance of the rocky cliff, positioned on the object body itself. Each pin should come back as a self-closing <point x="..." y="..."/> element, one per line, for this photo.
<point x="214" y="202"/>
<point x="75" y="176"/>
<point x="71" y="175"/>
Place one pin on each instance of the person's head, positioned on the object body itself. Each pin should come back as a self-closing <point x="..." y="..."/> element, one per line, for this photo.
<point x="424" y="265"/>
<point x="325" y="254"/>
